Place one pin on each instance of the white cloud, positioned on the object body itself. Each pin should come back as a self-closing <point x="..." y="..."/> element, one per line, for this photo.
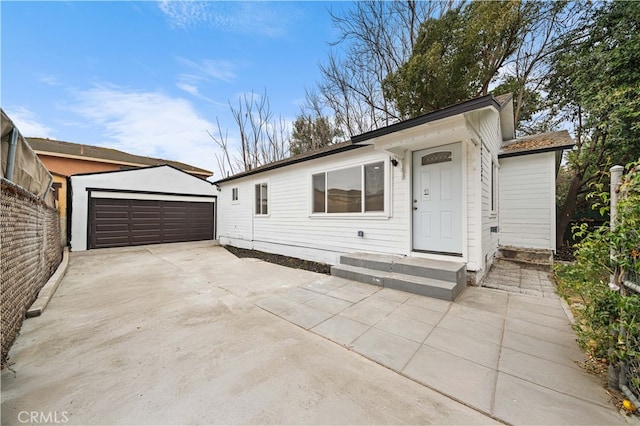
<point x="242" y="17"/>
<point x="29" y="124"/>
<point x="189" y="88"/>
<point x="210" y="69"/>
<point x="184" y="13"/>
<point x="203" y="72"/>
<point x="149" y="123"/>
<point x="48" y="79"/>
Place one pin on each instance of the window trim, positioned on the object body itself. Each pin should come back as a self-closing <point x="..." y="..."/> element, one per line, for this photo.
<point x="493" y="195"/>
<point x="268" y="195"/>
<point x="383" y="214"/>
<point x="235" y="192"/>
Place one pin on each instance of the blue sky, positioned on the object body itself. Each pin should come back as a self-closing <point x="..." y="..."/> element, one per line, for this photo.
<point x="151" y="77"/>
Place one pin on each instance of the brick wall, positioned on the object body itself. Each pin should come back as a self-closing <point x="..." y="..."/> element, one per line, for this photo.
<point x="30" y="252"/>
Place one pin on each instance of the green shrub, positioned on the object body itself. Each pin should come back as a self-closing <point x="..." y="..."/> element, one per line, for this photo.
<point x="607" y="320"/>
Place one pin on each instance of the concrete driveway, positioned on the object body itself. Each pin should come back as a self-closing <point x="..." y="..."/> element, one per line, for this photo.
<point x="189" y="334"/>
<point x="170" y="334"/>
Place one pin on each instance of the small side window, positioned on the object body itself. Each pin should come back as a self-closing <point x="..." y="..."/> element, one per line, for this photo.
<point x="234" y="194"/>
<point x="262" y="199"/>
<point x="494" y="187"/>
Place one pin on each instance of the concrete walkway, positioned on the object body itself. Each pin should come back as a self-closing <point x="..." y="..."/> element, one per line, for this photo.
<point x="522" y="278"/>
<point x="189" y="334"/>
<point x="511" y="356"/>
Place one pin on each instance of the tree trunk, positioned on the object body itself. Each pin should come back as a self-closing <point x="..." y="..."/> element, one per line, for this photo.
<point x="568" y="209"/>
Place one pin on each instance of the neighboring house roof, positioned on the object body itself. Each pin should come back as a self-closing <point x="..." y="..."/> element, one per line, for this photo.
<point x="107" y="155"/>
<point x="554" y="141"/>
<point x="306" y="156"/>
<point x="489" y="100"/>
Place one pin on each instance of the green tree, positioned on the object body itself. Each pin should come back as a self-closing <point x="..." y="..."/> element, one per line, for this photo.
<point x="397" y="59"/>
<point x="373" y="39"/>
<point x="457" y="56"/>
<point x="596" y="84"/>
<point x="312" y="132"/>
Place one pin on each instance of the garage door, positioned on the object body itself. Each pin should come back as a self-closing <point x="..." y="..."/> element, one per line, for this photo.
<point x="128" y="222"/>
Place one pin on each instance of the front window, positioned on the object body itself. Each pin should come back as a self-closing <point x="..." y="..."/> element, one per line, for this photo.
<point x="319" y="193"/>
<point x="344" y="191"/>
<point x="262" y="200"/>
<point x="357" y="189"/>
<point x="374" y="187"/>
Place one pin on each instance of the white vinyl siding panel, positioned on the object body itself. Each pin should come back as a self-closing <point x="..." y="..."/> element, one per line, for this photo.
<point x="474" y="212"/>
<point x="527" y="196"/>
<point x="235" y="217"/>
<point x="291" y="228"/>
<point x="488" y="128"/>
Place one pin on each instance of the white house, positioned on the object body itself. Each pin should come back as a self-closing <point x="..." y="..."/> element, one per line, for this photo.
<point x="450" y="186"/>
<point x="147" y="205"/>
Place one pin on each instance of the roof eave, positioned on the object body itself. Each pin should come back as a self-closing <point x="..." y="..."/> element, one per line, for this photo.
<point x="517" y="153"/>
<point x="468" y="106"/>
<point x="287" y="163"/>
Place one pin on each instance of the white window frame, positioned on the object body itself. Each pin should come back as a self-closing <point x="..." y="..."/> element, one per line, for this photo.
<point x="268" y="195"/>
<point x="493" y="195"/>
<point x="384" y="214"/>
<point x="235" y="195"/>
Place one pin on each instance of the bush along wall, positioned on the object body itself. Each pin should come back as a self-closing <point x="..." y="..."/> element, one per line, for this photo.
<point x="601" y="286"/>
<point x="30" y="249"/>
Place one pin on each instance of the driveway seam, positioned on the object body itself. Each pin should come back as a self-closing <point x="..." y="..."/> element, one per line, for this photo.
<point x="399" y="372"/>
<point x="504" y="328"/>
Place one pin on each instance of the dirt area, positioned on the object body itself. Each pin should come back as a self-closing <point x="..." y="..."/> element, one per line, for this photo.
<point x="565" y="253"/>
<point x="278" y="259"/>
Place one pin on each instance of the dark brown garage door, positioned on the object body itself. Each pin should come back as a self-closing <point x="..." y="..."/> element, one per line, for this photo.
<point x="117" y="223"/>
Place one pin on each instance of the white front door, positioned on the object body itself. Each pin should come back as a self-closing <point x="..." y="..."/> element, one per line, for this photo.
<point x="437" y="199"/>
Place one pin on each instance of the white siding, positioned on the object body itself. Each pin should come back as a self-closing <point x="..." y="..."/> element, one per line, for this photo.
<point x="290" y="228"/>
<point x="235" y="217"/>
<point x="527" y="201"/>
<point x="474" y="208"/>
<point x="487" y="125"/>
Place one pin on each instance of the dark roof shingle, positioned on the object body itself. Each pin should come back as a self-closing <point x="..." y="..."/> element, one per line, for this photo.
<point x="102" y="153"/>
<point x="536" y="143"/>
<point x="305" y="156"/>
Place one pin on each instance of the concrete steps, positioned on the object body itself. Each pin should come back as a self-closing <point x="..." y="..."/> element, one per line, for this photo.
<point x="437" y="279"/>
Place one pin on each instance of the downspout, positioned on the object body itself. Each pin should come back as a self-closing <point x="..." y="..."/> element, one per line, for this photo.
<point x="69" y="209"/>
<point x="11" y="154"/>
<point x="44" y="194"/>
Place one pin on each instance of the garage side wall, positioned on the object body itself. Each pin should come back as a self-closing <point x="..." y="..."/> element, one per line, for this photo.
<point x="153" y="180"/>
<point x="527" y="201"/>
<point x="30" y="250"/>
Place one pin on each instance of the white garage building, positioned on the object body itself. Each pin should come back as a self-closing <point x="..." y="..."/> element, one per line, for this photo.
<point x="148" y="205"/>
